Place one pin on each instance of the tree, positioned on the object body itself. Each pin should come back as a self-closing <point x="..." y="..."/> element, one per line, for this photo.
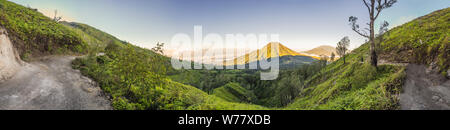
<point x="159" y="48"/>
<point x="56" y="18"/>
<point x="332" y="56"/>
<point x="342" y="47"/>
<point x="374" y="7"/>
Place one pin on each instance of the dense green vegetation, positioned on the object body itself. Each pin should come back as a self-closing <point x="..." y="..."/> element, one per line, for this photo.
<point x="35" y="34"/>
<point x="357" y="85"/>
<point x="136" y="81"/>
<point x="276" y="93"/>
<point x="424" y="41"/>
<point x="352" y="86"/>
<point x="142" y="79"/>
<point x="94" y="37"/>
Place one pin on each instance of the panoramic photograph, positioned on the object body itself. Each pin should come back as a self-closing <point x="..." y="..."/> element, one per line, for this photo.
<point x="224" y="55"/>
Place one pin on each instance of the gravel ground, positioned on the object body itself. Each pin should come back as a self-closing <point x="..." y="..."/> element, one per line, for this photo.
<point x="425" y="90"/>
<point x="51" y="84"/>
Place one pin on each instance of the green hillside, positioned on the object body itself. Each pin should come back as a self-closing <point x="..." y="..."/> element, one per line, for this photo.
<point x="93" y="36"/>
<point x="352" y="86"/>
<point x="424" y="40"/>
<point x="357" y="85"/>
<point x="140" y="79"/>
<point x="135" y="80"/>
<point x="233" y="92"/>
<point x="34" y="34"/>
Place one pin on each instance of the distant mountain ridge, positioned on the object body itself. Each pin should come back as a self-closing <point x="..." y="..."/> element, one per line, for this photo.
<point x="266" y="53"/>
<point x="324" y="50"/>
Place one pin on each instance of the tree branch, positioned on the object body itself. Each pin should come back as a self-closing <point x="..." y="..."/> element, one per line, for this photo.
<point x="355" y="27"/>
<point x="367" y="5"/>
<point x="358" y="31"/>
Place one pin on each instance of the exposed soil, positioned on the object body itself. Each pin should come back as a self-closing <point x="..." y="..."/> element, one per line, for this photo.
<point x="424" y="89"/>
<point x="49" y="83"/>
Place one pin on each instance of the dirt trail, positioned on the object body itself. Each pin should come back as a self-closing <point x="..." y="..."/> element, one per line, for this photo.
<point x="9" y="62"/>
<point x="424" y="90"/>
<point x="48" y="83"/>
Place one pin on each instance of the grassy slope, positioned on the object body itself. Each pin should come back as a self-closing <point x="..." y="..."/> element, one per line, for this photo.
<point x="233" y="92"/>
<point x="352" y="86"/>
<point x="359" y="86"/>
<point x="34" y="34"/>
<point x="202" y="101"/>
<point x="170" y="95"/>
<point x="424" y="40"/>
<point x="356" y="85"/>
<point x="148" y="93"/>
<point x="93" y="36"/>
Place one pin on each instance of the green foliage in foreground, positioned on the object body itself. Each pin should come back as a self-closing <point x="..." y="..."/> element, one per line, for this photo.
<point x="233" y="92"/>
<point x="136" y="81"/>
<point x="35" y="34"/>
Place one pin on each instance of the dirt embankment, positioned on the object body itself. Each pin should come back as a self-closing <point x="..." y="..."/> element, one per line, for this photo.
<point x="9" y="62"/>
<point x="48" y="83"/>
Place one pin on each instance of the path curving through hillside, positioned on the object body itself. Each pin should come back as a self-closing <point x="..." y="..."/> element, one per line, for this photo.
<point x="49" y="83"/>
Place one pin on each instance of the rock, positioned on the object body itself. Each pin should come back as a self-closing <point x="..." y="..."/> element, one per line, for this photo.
<point x="435" y="98"/>
<point x="3" y="31"/>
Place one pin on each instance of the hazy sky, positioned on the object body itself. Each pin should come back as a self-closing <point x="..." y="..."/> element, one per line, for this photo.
<point x="302" y="24"/>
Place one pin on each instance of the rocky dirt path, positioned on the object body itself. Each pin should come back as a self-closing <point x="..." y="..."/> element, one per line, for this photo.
<point x="424" y="89"/>
<point x="51" y="83"/>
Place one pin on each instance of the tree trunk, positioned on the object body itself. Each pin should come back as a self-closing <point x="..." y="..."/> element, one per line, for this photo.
<point x="344" y="59"/>
<point x="373" y="53"/>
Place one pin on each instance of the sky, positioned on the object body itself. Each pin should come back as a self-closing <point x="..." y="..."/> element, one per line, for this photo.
<point x="301" y="24"/>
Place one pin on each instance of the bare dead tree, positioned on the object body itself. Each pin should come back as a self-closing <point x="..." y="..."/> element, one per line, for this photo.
<point x="56" y="18"/>
<point x="375" y="7"/>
